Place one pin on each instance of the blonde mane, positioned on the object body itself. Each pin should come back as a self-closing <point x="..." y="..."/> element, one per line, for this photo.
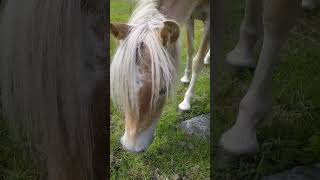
<point x="125" y="75"/>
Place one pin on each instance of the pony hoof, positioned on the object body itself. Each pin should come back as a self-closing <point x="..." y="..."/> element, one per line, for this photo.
<point x="240" y="60"/>
<point x="185" y="80"/>
<point x="230" y="142"/>
<point x="184" y="106"/>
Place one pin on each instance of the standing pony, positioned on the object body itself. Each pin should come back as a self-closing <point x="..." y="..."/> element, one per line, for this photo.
<point x="275" y="18"/>
<point x="54" y="82"/>
<point x="144" y="67"/>
<point x="201" y="12"/>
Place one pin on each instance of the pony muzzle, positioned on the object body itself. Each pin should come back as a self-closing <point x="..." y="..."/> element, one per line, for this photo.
<point x="138" y="143"/>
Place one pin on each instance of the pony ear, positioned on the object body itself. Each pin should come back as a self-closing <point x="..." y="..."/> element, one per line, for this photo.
<point x="170" y="32"/>
<point x="120" y="30"/>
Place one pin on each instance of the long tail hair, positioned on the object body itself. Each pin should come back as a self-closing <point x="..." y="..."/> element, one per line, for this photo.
<point x="48" y="72"/>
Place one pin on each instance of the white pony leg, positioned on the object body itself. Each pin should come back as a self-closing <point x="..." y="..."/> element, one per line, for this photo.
<point x="242" y="54"/>
<point x="308" y="4"/>
<point x="197" y="65"/>
<point x="207" y="58"/>
<point x="279" y="17"/>
<point x="185" y="104"/>
<point x="190" y="46"/>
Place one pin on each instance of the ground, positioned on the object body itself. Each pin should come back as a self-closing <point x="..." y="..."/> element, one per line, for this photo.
<point x="172" y="153"/>
<point x="15" y="163"/>
<point x="291" y="135"/>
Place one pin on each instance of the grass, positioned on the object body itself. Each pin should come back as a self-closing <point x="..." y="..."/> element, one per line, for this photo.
<point x="172" y="153"/>
<point x="291" y="135"/>
<point x="15" y="162"/>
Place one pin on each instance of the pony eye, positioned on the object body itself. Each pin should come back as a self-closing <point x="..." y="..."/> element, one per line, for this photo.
<point x="163" y="91"/>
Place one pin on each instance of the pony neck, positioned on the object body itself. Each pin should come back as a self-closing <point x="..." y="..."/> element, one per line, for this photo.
<point x="178" y="10"/>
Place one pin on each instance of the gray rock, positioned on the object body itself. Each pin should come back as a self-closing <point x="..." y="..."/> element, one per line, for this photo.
<point x="297" y="173"/>
<point x="199" y="126"/>
<point x="176" y="177"/>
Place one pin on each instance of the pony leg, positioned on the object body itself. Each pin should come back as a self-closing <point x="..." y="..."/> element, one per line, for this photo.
<point x="207" y="58"/>
<point x="279" y="17"/>
<point x="197" y="65"/>
<point x="242" y="54"/>
<point x="190" y="46"/>
<point x="308" y="4"/>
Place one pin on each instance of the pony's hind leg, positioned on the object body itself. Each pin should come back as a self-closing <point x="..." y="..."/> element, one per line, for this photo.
<point x="190" y="46"/>
<point x="279" y="17"/>
<point x="242" y="54"/>
<point x="207" y="58"/>
<point x="197" y="65"/>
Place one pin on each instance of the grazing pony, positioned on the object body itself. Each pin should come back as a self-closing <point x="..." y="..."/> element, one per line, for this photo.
<point x="145" y="65"/>
<point x="53" y="80"/>
<point x="201" y="12"/>
<point x="275" y="18"/>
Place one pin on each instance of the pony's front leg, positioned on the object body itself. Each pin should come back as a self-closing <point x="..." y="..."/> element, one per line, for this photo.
<point x="197" y="65"/>
<point x="242" y="54"/>
<point x="279" y="17"/>
<point x="190" y="51"/>
<point x="207" y="58"/>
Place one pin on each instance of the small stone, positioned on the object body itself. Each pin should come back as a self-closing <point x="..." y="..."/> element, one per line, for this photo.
<point x="156" y="174"/>
<point x="175" y="177"/>
<point x="162" y="177"/>
<point x="190" y="146"/>
<point x="195" y="168"/>
<point x="199" y="126"/>
<point x="182" y="143"/>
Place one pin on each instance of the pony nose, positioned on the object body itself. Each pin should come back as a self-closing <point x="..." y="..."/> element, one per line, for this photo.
<point x="133" y="150"/>
<point x="136" y="147"/>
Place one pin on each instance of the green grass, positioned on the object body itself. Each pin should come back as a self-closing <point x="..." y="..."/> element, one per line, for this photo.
<point x="172" y="152"/>
<point x="15" y="162"/>
<point x="291" y="135"/>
